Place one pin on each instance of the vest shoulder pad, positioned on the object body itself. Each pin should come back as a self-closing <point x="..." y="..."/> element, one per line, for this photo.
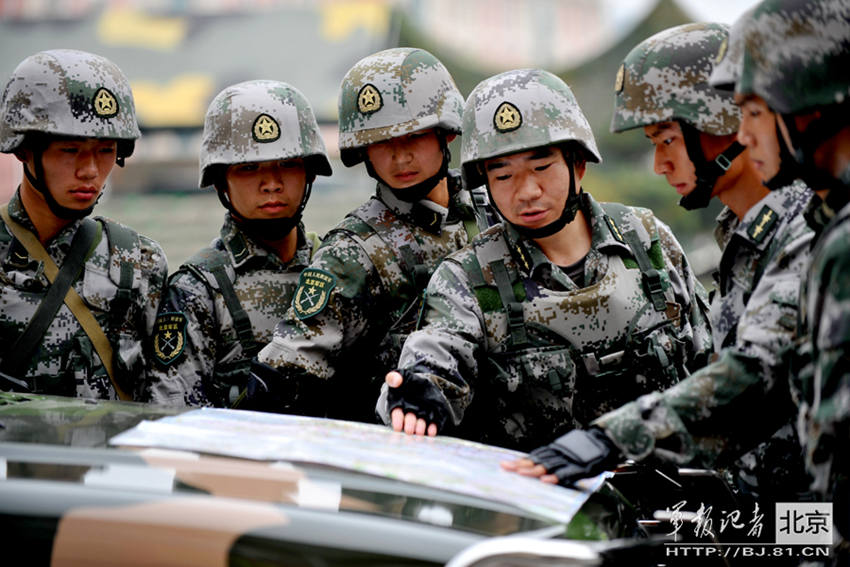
<point x="205" y="262"/>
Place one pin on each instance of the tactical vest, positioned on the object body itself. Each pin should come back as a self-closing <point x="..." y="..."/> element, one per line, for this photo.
<point x="215" y="270"/>
<point x="125" y="278"/>
<point x="555" y="360"/>
<point x="408" y="265"/>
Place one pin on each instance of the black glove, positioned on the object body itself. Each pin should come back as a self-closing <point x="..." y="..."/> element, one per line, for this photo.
<point x="577" y="454"/>
<point x="419" y="396"/>
<point x="267" y="390"/>
<point x="283" y="391"/>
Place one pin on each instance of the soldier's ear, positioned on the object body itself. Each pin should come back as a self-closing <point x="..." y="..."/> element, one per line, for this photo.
<point x="24" y="155"/>
<point x="450" y="137"/>
<point x="580" y="167"/>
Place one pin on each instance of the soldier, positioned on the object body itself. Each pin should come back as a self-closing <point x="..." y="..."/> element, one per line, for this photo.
<point x="261" y="150"/>
<point x="79" y="296"/>
<point x="796" y="59"/>
<point x="765" y="244"/>
<point x="360" y="296"/>
<point x="538" y="326"/>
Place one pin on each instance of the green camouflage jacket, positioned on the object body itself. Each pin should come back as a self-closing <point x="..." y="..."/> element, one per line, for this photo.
<point x="571" y="353"/>
<point x="199" y="355"/>
<point x="65" y="362"/>
<point x="820" y="376"/>
<point x="709" y="418"/>
<point x="361" y="294"/>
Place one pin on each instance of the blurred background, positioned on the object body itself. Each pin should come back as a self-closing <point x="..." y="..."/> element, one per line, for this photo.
<point x="178" y="54"/>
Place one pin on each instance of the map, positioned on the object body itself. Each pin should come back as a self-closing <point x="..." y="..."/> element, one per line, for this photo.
<point x="445" y="463"/>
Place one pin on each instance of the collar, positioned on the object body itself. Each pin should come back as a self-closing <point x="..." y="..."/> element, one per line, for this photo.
<point x="244" y="250"/>
<point x="61" y="242"/>
<point x="606" y="233"/>
<point x="425" y="214"/>
<point x="603" y="236"/>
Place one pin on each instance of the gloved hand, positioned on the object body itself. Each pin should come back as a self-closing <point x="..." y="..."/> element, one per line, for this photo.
<point x="283" y="391"/>
<point x="418" y="396"/>
<point x="266" y="390"/>
<point x="577" y="454"/>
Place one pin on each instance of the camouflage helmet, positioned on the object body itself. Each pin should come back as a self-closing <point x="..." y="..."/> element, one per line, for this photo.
<point x="392" y="93"/>
<point x="260" y="121"/>
<point x="727" y="68"/>
<point x="517" y="111"/>
<point x="68" y="93"/>
<point x="665" y="78"/>
<point x="797" y="54"/>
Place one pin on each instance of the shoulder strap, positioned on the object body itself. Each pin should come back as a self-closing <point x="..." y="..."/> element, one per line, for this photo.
<point x="649" y="270"/>
<point x="215" y="262"/>
<point x="314" y="241"/>
<point x="512" y="303"/>
<point x="510" y="296"/>
<point x="409" y="255"/>
<point x="121" y="239"/>
<point x="485" y="216"/>
<point x="72" y="299"/>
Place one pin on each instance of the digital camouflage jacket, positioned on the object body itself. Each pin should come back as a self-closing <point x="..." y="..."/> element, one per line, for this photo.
<point x="121" y="283"/>
<point x="710" y="417"/>
<point x="361" y="295"/>
<point x="219" y="309"/>
<point x="822" y="370"/>
<point x="519" y="358"/>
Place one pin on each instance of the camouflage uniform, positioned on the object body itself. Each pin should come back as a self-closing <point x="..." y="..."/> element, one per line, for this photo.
<point x="222" y="305"/>
<point x="512" y="350"/>
<point x="212" y="353"/>
<point x="797" y="56"/>
<point x="72" y="93"/>
<point x="362" y="292"/>
<point x="753" y="312"/>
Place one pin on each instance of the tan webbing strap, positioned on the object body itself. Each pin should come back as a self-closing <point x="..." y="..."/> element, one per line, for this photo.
<point x="72" y="299"/>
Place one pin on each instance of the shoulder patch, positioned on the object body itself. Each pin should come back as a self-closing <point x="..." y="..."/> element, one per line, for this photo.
<point x="313" y="291"/>
<point x="615" y="230"/>
<point x="521" y="256"/>
<point x="763" y="224"/>
<point x="169" y="337"/>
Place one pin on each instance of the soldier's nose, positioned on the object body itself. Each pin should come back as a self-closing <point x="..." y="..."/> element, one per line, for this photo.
<point x="661" y="164"/>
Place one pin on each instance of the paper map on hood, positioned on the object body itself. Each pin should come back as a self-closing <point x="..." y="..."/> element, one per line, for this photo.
<point x="446" y="463"/>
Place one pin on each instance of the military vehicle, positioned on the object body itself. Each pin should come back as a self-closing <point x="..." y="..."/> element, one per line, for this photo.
<point x="86" y="482"/>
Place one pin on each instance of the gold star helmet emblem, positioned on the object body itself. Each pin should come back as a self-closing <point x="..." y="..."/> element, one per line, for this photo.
<point x="507" y="118"/>
<point x="265" y="129"/>
<point x="369" y="100"/>
<point x="104" y="103"/>
<point x="620" y="80"/>
<point x="721" y="52"/>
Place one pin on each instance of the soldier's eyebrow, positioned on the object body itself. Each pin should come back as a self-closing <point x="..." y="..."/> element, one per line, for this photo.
<point x="496" y="165"/>
<point x="658" y="130"/>
<point x="742" y="100"/>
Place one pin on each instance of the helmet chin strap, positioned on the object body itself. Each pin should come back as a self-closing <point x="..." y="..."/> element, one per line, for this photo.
<point x="37" y="181"/>
<point x="421" y="190"/>
<point x="789" y="170"/>
<point x="828" y="124"/>
<point x="571" y="207"/>
<point x="707" y="172"/>
<point x="268" y="230"/>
